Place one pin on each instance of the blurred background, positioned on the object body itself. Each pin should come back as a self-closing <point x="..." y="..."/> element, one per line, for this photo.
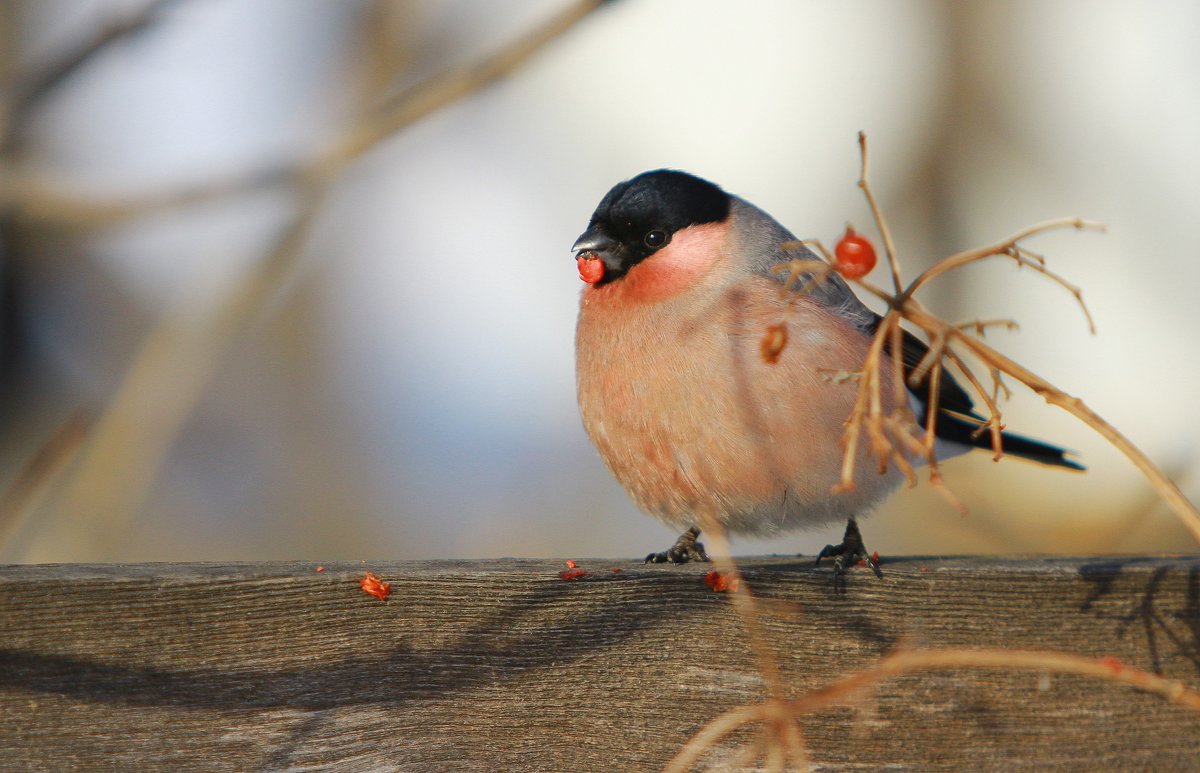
<point x="292" y="278"/>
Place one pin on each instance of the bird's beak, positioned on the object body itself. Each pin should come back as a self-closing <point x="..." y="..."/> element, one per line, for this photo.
<point x="593" y="239"/>
<point x="595" y="242"/>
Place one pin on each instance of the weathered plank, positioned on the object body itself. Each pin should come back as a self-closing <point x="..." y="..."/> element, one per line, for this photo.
<point x="501" y="665"/>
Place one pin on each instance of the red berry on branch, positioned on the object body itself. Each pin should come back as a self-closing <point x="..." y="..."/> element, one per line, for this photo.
<point x="855" y="256"/>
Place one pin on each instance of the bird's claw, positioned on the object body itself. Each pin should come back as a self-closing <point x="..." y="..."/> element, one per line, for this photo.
<point x="848" y="553"/>
<point x="686" y="548"/>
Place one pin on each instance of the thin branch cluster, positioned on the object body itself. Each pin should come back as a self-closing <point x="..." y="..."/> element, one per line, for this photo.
<point x="881" y="418"/>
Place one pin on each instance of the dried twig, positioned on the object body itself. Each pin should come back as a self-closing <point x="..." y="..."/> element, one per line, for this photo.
<point x="843" y="690"/>
<point x="892" y="435"/>
<point x="743" y="601"/>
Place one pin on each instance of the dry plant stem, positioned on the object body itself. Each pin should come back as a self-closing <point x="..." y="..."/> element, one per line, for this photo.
<point x="899" y="389"/>
<point x="1009" y="248"/>
<point x="746" y="758"/>
<point x="787" y="743"/>
<point x="1180" y="504"/>
<point x="32" y="481"/>
<point x="889" y="246"/>
<point x="710" y="734"/>
<point x="980" y="326"/>
<point x="781" y="732"/>
<point x="812" y="271"/>
<point x="743" y="602"/>
<point x="890" y="435"/>
<point x="855" y="422"/>
<point x="903" y="662"/>
<point x="935" y="382"/>
<point x="902" y="301"/>
<point x="908" y="661"/>
<point x="942" y="334"/>
<point x="173" y="366"/>
<point x="994" y="424"/>
<point x="928" y="448"/>
<point x="441" y="90"/>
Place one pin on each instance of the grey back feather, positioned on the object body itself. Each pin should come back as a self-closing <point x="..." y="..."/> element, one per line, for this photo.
<point x="761" y="238"/>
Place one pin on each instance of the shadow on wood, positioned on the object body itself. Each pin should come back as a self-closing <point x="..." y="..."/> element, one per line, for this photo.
<point x="502" y="665"/>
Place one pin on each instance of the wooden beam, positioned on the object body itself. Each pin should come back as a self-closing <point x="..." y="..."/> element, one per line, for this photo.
<point x="502" y="665"/>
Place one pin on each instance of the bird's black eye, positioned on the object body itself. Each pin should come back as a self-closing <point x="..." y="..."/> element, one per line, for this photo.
<point x="655" y="239"/>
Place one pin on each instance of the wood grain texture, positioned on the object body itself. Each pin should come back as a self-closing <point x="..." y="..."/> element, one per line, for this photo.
<point x="500" y="665"/>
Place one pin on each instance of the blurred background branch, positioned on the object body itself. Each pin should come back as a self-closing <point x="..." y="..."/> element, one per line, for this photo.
<point x="24" y="90"/>
<point x="173" y="366"/>
<point x="38" y="199"/>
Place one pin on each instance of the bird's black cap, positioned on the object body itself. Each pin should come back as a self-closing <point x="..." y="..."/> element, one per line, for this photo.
<point x="639" y="216"/>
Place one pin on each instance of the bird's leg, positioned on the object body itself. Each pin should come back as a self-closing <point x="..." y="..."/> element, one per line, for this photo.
<point x="685" y="549"/>
<point x="848" y="553"/>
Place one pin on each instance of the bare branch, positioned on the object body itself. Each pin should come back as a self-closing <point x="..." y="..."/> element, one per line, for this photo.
<point x="888" y="435"/>
<point x="843" y="690"/>
<point x="28" y="90"/>
<point x="1009" y="248"/>
<point x="40" y="201"/>
<point x="980" y="326"/>
<point x="894" y="438"/>
<point x="889" y="246"/>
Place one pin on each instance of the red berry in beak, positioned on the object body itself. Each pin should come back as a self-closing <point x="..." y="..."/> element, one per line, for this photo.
<point x="591" y="270"/>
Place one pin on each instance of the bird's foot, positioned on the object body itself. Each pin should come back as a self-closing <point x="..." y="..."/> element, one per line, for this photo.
<point x="848" y="554"/>
<point x="685" y="549"/>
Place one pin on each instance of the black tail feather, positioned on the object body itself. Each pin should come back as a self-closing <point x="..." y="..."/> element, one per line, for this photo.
<point x="959" y="430"/>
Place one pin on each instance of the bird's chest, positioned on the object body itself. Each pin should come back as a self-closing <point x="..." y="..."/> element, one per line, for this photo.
<point x="663" y="396"/>
<point x="640" y="383"/>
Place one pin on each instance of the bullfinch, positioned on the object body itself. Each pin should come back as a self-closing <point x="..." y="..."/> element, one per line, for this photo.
<point x="674" y="392"/>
